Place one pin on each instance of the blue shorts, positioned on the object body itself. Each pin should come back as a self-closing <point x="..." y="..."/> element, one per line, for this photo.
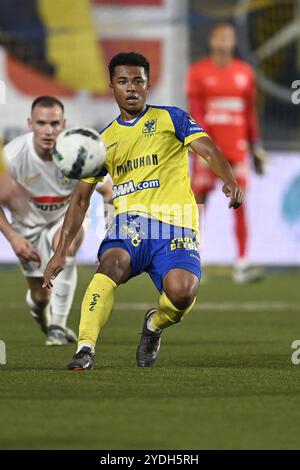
<point x="154" y="247"/>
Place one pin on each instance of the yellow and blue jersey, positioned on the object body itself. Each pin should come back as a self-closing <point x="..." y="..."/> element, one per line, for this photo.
<point x="147" y="159"/>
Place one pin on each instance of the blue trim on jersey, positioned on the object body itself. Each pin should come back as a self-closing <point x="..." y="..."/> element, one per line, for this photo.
<point x="130" y="124"/>
<point x="101" y="132"/>
<point x="181" y="122"/>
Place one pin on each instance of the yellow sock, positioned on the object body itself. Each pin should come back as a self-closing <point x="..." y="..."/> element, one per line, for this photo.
<point x="166" y="314"/>
<point x="96" y="308"/>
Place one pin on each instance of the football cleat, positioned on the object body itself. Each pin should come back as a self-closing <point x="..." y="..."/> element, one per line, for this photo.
<point x="148" y="348"/>
<point x="245" y="274"/>
<point x="83" y="360"/>
<point x="56" y="336"/>
<point x="70" y="335"/>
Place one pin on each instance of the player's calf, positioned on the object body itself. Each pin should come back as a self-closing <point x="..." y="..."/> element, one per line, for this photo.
<point x="39" y="310"/>
<point x="156" y="320"/>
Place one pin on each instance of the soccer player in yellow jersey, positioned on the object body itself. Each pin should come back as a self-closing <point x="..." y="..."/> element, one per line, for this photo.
<point x="155" y="227"/>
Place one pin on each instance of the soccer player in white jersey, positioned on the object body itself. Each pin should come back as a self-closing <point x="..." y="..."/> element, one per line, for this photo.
<point x="34" y="236"/>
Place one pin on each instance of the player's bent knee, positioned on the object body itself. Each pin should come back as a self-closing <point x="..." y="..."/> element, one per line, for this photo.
<point x="181" y="288"/>
<point x="115" y="263"/>
<point x="181" y="294"/>
<point x="180" y="300"/>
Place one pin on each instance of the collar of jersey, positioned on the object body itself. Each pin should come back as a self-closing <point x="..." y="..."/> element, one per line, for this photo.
<point x="126" y="123"/>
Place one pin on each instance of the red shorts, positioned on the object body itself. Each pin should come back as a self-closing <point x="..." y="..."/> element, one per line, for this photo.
<point x="204" y="180"/>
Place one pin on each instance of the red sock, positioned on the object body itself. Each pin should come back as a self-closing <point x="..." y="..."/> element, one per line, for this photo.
<point x="241" y="230"/>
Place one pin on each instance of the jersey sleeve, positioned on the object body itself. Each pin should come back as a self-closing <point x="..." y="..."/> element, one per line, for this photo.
<point x="93" y="179"/>
<point x="96" y="179"/>
<point x="186" y="128"/>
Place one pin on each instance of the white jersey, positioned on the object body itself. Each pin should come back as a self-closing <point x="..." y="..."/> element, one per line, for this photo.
<point x="50" y="190"/>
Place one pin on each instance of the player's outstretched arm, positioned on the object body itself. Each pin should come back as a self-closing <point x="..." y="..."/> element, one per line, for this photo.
<point x="205" y="147"/>
<point x="13" y="195"/>
<point x="73" y="220"/>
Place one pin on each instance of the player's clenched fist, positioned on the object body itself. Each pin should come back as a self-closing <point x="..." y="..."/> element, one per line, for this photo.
<point x="235" y="193"/>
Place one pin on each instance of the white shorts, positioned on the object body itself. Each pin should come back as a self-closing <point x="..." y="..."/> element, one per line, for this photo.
<point x="42" y="242"/>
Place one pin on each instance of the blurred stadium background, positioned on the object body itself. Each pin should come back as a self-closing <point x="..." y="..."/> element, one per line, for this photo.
<point x="230" y="383"/>
<point x="62" y="48"/>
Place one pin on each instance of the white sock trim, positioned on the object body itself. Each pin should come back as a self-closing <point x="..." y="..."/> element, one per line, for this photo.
<point x="150" y="326"/>
<point x="83" y="345"/>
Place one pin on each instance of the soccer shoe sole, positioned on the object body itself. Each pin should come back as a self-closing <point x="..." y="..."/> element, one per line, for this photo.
<point x="79" y="368"/>
<point x="56" y="342"/>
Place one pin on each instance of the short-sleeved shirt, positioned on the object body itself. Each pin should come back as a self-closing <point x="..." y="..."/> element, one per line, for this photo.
<point x="50" y="190"/>
<point x="147" y="159"/>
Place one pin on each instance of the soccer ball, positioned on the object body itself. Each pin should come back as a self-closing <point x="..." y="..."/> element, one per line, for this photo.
<point x="79" y="152"/>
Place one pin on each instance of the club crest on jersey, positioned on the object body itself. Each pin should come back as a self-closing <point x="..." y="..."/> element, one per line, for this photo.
<point x="150" y="126"/>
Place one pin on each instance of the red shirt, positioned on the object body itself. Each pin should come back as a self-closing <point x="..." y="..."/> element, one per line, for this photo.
<point x="222" y="100"/>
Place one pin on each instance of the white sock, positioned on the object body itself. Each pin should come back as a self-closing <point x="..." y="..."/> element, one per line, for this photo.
<point x="63" y="293"/>
<point x="241" y="263"/>
<point x="151" y="327"/>
<point x="85" y="345"/>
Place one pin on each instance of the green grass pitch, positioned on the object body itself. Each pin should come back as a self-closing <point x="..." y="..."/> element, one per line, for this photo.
<point x="224" y="378"/>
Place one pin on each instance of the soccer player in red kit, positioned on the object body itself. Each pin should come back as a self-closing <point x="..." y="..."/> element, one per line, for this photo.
<point x="221" y="93"/>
